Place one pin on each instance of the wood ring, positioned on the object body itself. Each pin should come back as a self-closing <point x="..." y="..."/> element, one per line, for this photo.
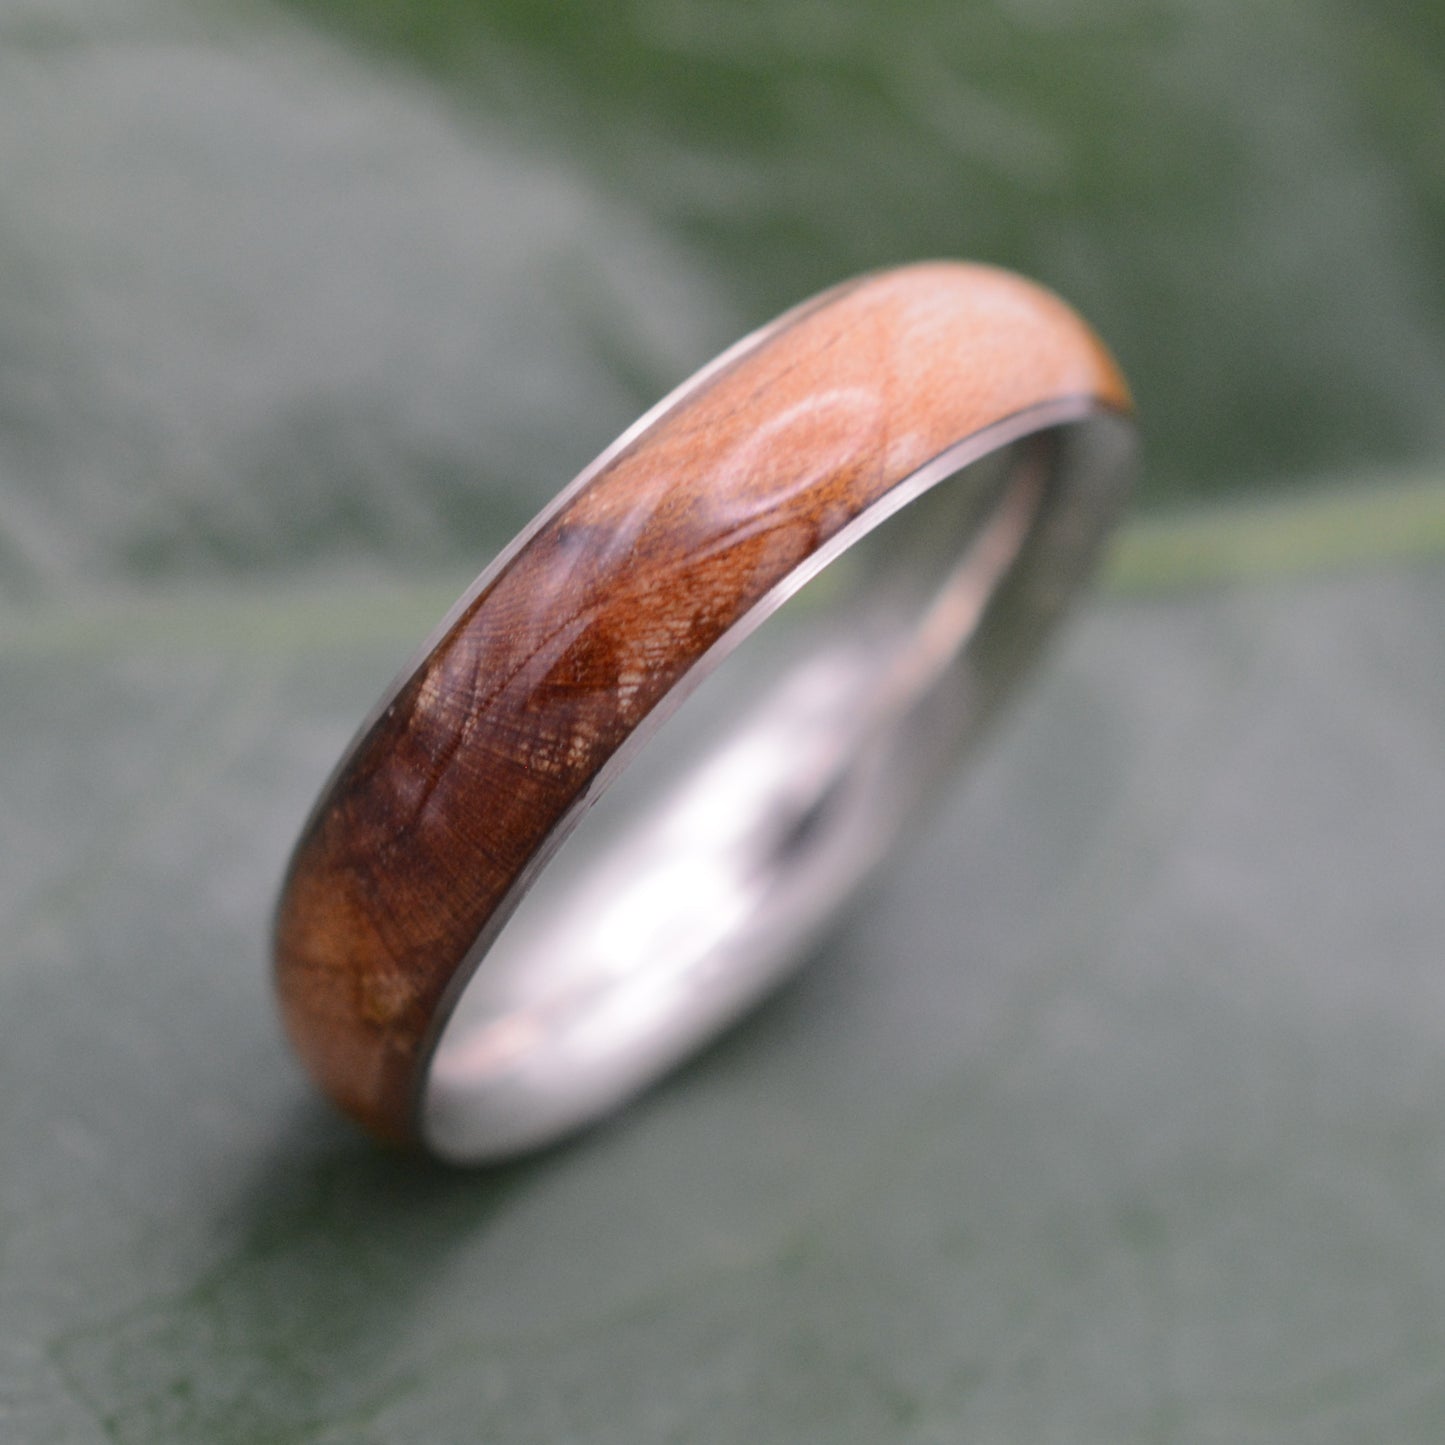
<point x="482" y="751"/>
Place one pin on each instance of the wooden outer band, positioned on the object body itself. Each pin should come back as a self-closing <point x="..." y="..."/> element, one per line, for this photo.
<point x="556" y="657"/>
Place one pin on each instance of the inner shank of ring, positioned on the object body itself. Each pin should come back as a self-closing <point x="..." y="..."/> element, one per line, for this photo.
<point x="734" y="834"/>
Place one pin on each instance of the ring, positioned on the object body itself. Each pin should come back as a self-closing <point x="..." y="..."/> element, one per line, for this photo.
<point x="951" y="443"/>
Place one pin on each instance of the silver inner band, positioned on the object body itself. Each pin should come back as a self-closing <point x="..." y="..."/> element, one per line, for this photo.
<point x="707" y="870"/>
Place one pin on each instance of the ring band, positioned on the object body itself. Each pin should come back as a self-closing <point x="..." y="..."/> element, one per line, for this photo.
<point x="408" y="1001"/>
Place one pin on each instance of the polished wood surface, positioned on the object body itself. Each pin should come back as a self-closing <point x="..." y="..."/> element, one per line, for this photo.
<point x="583" y="630"/>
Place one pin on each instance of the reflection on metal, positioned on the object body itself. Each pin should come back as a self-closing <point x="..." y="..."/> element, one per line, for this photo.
<point x="674" y="922"/>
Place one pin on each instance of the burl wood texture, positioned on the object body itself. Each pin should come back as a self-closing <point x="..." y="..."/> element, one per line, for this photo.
<point x="590" y="624"/>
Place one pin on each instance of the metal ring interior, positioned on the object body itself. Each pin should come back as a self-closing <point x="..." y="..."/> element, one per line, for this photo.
<point x="632" y="951"/>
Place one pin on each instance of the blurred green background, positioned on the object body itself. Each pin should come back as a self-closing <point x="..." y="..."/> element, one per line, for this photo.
<point x="297" y="285"/>
<point x="1115" y="1112"/>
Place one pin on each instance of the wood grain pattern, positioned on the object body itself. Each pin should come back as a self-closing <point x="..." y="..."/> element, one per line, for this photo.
<point x="583" y="630"/>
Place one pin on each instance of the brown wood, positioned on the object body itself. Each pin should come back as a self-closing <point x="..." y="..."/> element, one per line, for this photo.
<point x="554" y="662"/>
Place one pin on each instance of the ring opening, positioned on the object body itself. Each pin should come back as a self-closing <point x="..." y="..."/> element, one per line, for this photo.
<point x="691" y="881"/>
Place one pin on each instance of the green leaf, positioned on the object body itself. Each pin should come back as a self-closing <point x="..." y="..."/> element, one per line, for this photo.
<point x="1112" y="1113"/>
<point x="351" y="284"/>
